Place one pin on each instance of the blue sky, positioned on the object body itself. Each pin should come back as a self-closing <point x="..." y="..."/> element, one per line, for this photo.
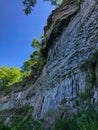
<point x="18" y="30"/>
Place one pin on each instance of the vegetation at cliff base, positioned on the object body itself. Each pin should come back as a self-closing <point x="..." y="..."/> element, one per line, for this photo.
<point x="3" y="126"/>
<point x="86" y="120"/>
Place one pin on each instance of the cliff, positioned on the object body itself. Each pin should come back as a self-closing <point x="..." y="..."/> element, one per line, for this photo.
<point x="69" y="79"/>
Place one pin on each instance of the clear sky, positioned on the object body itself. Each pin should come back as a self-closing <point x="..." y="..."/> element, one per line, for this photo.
<point x="18" y="30"/>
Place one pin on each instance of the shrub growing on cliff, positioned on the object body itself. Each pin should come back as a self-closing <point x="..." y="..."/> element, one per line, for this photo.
<point x="68" y="123"/>
<point x="86" y="120"/>
<point x="3" y="126"/>
<point x="92" y="62"/>
<point x="36" y="58"/>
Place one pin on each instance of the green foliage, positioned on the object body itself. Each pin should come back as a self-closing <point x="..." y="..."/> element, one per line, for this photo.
<point x="10" y="76"/>
<point x="86" y="120"/>
<point x="3" y="126"/>
<point x="91" y="63"/>
<point x="86" y="94"/>
<point x="65" y="124"/>
<point x="78" y="3"/>
<point x="36" y="43"/>
<point x="27" y="66"/>
<point x="42" y="36"/>
<point x="91" y="83"/>
<point x="22" y="119"/>
<point x="22" y="124"/>
<point x="35" y="55"/>
<point x="63" y="2"/>
<point x="27" y="123"/>
<point x="29" y="4"/>
<point x="36" y="58"/>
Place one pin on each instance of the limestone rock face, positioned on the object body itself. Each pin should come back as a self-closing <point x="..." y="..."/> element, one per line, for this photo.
<point x="71" y="35"/>
<point x="62" y="80"/>
<point x="58" y="20"/>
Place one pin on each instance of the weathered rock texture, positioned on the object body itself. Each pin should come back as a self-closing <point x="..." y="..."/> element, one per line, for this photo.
<point x="71" y="36"/>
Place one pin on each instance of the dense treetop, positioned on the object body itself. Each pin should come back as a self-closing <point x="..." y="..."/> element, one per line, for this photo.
<point x="10" y="76"/>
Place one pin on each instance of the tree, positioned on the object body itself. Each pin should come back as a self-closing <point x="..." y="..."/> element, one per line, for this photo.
<point x="26" y="67"/>
<point x="36" y="58"/>
<point x="29" y="4"/>
<point x="10" y="76"/>
<point x="36" y="43"/>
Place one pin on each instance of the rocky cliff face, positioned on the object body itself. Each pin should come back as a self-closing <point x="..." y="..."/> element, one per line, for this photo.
<point x="71" y="37"/>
